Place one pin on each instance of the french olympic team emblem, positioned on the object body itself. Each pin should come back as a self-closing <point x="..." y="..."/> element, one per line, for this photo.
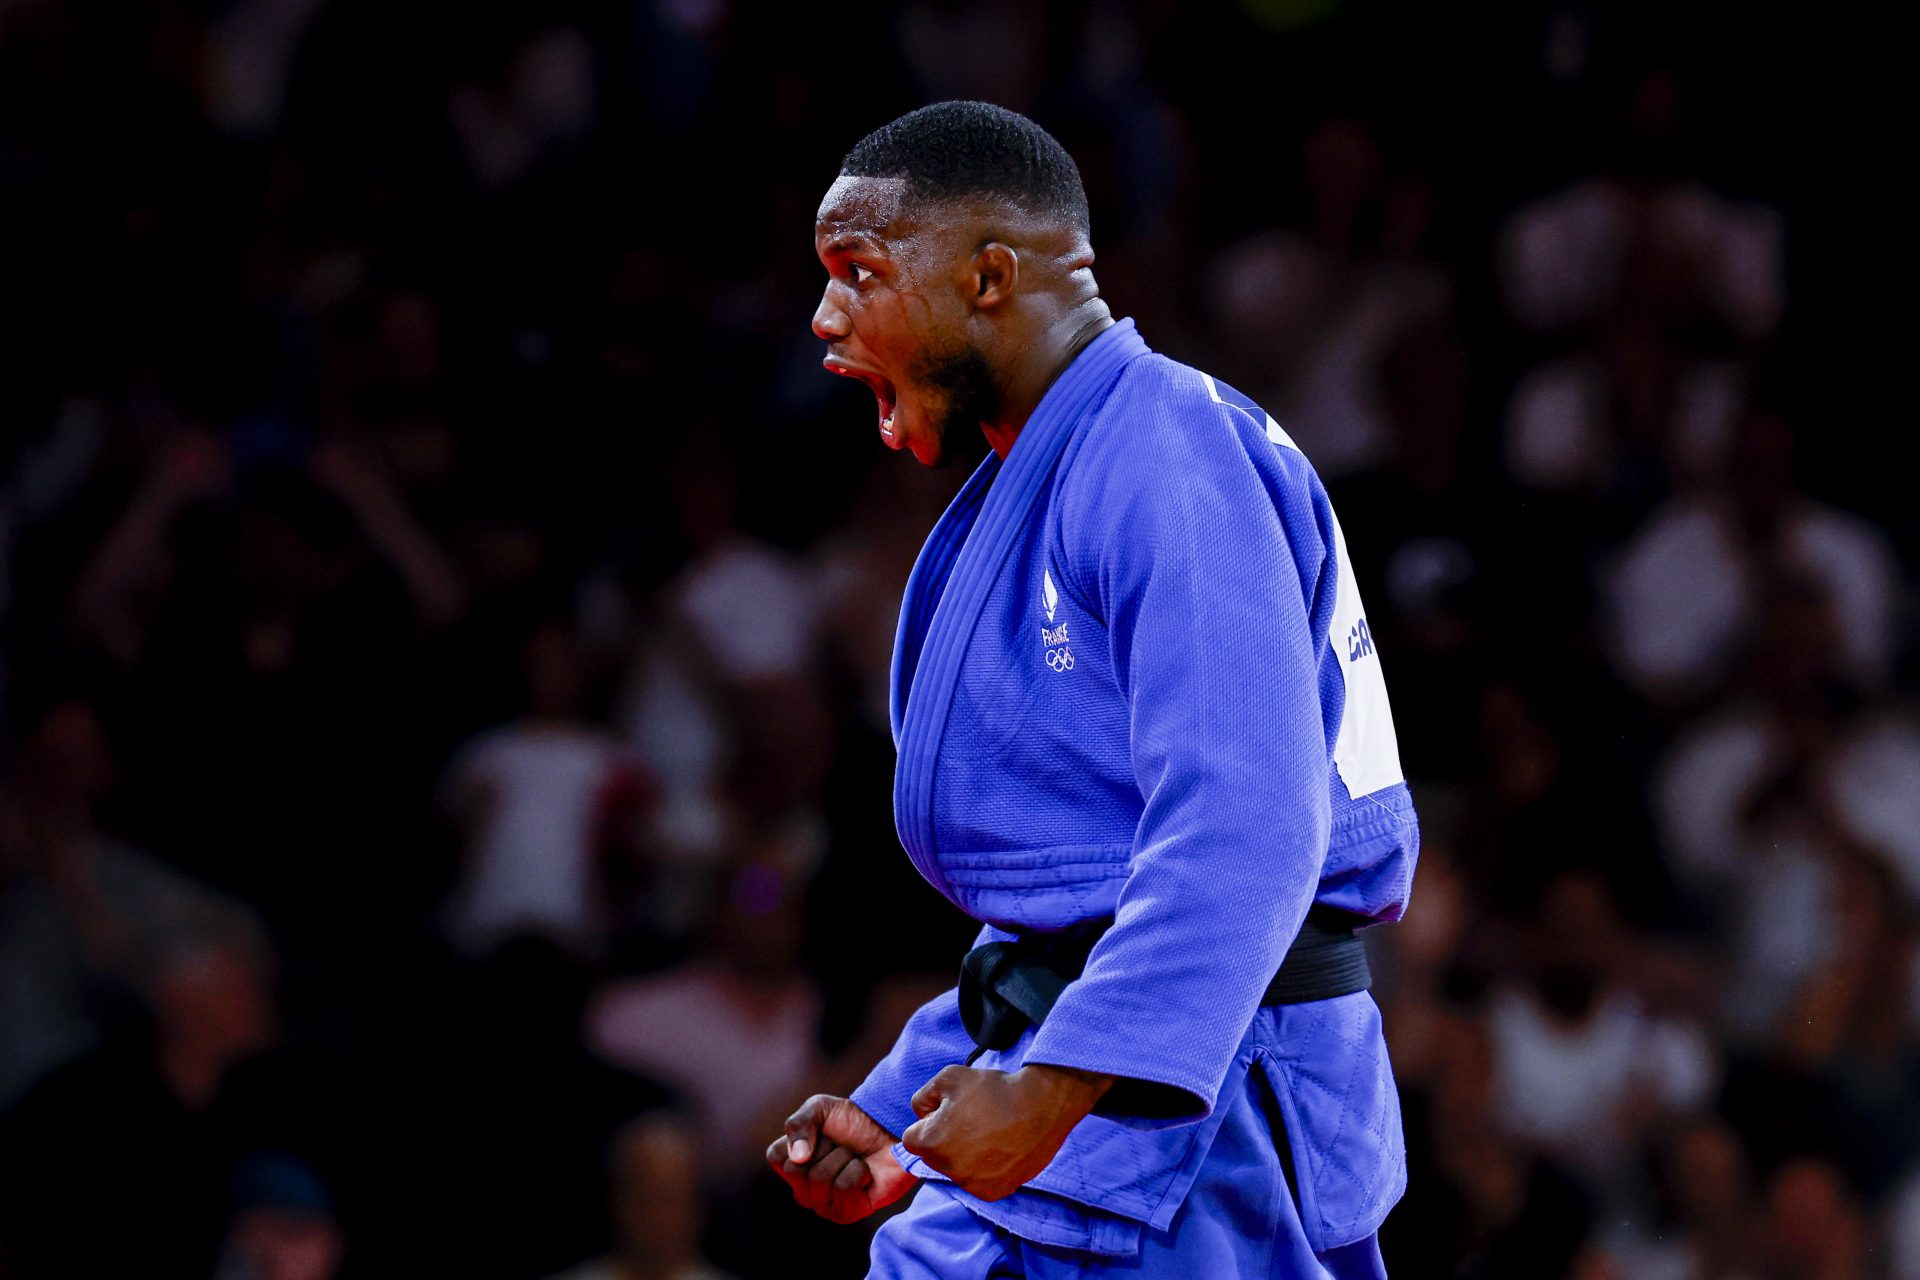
<point x="1059" y="657"/>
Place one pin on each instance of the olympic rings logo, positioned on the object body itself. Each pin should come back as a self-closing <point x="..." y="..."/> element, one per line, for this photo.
<point x="1060" y="659"/>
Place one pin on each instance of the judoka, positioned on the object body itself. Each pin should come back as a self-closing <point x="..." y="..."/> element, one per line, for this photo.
<point x="1142" y="737"/>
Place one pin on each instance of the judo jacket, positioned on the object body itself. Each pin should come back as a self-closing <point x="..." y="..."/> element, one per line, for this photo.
<point x="1133" y="679"/>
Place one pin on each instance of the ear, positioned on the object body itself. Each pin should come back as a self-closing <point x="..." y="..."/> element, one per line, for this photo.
<point x="995" y="275"/>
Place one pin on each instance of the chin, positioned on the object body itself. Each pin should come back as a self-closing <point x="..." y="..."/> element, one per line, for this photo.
<point x="928" y="447"/>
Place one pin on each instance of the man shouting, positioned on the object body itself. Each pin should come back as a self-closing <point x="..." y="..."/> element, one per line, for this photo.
<point x="1143" y="738"/>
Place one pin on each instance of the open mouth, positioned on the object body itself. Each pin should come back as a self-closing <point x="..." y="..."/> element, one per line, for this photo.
<point x="882" y="389"/>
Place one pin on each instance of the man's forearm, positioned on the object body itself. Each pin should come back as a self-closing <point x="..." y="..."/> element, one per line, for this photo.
<point x="991" y="1132"/>
<point x="1067" y="1090"/>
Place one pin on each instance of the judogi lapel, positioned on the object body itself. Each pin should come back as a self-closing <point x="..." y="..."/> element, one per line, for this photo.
<point x="957" y="568"/>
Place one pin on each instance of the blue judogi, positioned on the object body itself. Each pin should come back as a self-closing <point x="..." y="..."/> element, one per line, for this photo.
<point x="1133" y="679"/>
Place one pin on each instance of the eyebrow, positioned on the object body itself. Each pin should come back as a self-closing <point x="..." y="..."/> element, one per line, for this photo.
<point x="851" y="242"/>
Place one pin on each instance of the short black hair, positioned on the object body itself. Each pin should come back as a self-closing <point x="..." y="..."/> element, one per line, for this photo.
<point x="952" y="150"/>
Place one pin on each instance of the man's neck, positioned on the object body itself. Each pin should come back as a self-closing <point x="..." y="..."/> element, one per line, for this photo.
<point x="1040" y="365"/>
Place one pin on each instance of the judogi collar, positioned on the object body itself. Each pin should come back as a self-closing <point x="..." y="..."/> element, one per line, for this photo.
<point x="957" y="568"/>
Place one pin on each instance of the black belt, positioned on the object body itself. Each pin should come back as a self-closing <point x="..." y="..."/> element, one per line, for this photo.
<point x="1006" y="987"/>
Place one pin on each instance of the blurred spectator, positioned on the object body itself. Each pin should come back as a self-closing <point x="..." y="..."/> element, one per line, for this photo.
<point x="1569" y="259"/>
<point x="1487" y="1206"/>
<point x="148" y="1122"/>
<point x="1682" y="596"/>
<point x="735" y="1027"/>
<point x="540" y="102"/>
<point x="1814" y="1231"/>
<point x="283" y="1225"/>
<point x="1842" y="1069"/>
<point x="725" y="686"/>
<point x="133" y="566"/>
<point x="1799" y="754"/>
<point x="551" y="809"/>
<point x="654" y="1192"/>
<point x="1640" y="237"/>
<point x="1310" y="316"/>
<point x="1627" y="410"/>
<point x="1581" y="1066"/>
<point x="496" y="1097"/>
<point x="1544" y="785"/>
<point x="1703" y="1228"/>
<point x="85" y="920"/>
<point x="751" y="609"/>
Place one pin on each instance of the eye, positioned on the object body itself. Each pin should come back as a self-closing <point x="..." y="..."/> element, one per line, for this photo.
<point x="860" y="274"/>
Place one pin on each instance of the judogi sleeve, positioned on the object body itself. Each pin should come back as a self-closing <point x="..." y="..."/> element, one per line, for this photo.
<point x="934" y="1037"/>
<point x="1205" y="568"/>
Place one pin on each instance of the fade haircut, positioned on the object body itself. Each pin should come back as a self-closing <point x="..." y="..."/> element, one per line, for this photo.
<point x="953" y="150"/>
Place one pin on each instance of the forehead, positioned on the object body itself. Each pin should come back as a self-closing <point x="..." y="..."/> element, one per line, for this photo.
<point x="870" y="208"/>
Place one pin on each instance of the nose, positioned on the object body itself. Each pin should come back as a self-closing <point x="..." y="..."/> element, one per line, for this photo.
<point x="829" y="321"/>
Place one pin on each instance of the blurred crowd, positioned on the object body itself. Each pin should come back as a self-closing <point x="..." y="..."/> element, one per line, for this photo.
<point x="444" y="614"/>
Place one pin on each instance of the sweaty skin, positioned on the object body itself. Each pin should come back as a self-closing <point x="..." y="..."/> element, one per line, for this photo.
<point x="914" y="287"/>
<point x="957" y="314"/>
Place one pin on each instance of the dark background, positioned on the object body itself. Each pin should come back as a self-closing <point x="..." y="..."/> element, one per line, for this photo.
<point x="444" y="609"/>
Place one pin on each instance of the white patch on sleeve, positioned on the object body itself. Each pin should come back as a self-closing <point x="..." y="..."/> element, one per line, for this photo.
<point x="1275" y="432"/>
<point x="1278" y="434"/>
<point x="1366" y="751"/>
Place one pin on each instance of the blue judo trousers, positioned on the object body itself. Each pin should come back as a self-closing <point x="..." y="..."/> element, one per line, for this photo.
<point x="1133" y="680"/>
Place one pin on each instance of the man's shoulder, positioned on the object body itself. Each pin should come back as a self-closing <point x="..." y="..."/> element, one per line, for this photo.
<point x="1157" y="380"/>
<point x="1163" y="405"/>
<point x="1166" y="423"/>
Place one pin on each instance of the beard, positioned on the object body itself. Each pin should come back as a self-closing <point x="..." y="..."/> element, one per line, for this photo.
<point x="961" y="381"/>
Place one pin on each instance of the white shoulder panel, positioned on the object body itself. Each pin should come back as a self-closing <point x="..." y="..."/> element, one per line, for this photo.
<point x="1366" y="750"/>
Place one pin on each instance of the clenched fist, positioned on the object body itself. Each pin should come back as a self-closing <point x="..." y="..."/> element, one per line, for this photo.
<point x="992" y="1131"/>
<point x="838" y="1160"/>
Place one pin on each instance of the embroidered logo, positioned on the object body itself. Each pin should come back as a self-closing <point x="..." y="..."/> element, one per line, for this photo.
<point x="1059" y="657"/>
